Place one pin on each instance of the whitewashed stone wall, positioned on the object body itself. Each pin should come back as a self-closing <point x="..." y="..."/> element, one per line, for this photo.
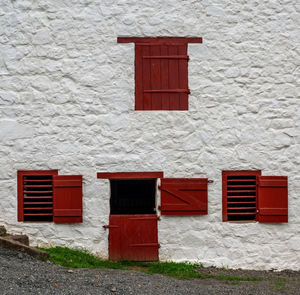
<point x="67" y="103"/>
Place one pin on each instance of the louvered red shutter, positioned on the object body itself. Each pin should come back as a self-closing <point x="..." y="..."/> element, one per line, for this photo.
<point x="35" y="190"/>
<point x="272" y="199"/>
<point x="67" y="198"/>
<point x="183" y="196"/>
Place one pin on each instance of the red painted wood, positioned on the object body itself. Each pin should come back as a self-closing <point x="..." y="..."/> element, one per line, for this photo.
<point x="67" y="198"/>
<point x="161" y="72"/>
<point x="155" y="77"/>
<point x="167" y="91"/>
<point x="139" y="63"/>
<point x="174" y="78"/>
<point x="114" y="237"/>
<point x="166" y="56"/>
<point x="225" y="188"/>
<point x="20" y="191"/>
<point x="273" y="199"/>
<point x="146" y="82"/>
<point x="180" y="40"/>
<point x="129" y="175"/>
<point x="184" y="196"/>
<point x="183" y="77"/>
<point x="165" y="97"/>
<point x="133" y="237"/>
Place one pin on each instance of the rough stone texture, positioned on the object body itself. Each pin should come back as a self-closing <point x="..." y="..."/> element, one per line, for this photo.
<point x="23" y="239"/>
<point x="14" y="244"/>
<point x="2" y="230"/>
<point x="67" y="103"/>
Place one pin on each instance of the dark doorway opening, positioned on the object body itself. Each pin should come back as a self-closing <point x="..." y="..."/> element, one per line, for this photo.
<point x="132" y="196"/>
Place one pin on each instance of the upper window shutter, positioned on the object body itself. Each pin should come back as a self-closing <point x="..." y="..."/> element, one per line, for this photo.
<point x="183" y="196"/>
<point x="161" y="74"/>
<point x="67" y="198"/>
<point x="272" y="199"/>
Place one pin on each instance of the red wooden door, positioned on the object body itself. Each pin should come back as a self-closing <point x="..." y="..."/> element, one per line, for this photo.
<point x="133" y="237"/>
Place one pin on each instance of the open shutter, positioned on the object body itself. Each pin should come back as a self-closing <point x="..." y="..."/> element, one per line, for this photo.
<point x="67" y="198"/>
<point x="161" y="73"/>
<point x="182" y="196"/>
<point x="272" y="199"/>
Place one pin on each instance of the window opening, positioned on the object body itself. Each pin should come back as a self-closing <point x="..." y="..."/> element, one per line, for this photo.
<point x="240" y="195"/>
<point x="38" y="198"/>
<point x="132" y="196"/>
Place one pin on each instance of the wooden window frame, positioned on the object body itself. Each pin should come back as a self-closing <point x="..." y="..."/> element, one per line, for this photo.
<point x="65" y="193"/>
<point x="226" y="173"/>
<point x="156" y="86"/>
<point x="271" y="197"/>
<point x="20" y="193"/>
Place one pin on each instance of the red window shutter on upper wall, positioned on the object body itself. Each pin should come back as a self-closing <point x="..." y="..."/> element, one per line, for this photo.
<point x="67" y="198"/>
<point x="272" y="199"/>
<point x="161" y="72"/>
<point x="183" y="196"/>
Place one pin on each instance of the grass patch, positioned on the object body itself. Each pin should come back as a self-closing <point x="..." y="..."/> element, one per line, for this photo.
<point x="81" y="259"/>
<point x="279" y="283"/>
<point x="235" y="278"/>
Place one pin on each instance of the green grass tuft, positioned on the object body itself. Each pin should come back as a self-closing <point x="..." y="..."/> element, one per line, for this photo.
<point x="81" y="259"/>
<point x="178" y="270"/>
<point x="279" y="283"/>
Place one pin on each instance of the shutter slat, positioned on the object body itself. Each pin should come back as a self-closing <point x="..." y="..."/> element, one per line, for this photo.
<point x="241" y="191"/>
<point x="38" y="197"/>
<point x="167" y="91"/>
<point x="38" y="186"/>
<point x="139" y="69"/>
<point x="167" y="56"/>
<point x="183" y="78"/>
<point x="240" y="185"/>
<point x="147" y="98"/>
<point x="241" y="203"/>
<point x="165" y="96"/>
<point x="241" y="196"/>
<point x="174" y="78"/>
<point x="240" y="208"/>
<point x="155" y="65"/>
<point x="39" y="209"/>
<point x="39" y="203"/>
<point x="38" y="214"/>
<point x="241" y="213"/>
<point x="37" y="192"/>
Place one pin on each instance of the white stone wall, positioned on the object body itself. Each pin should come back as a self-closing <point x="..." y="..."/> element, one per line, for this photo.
<point x="67" y="103"/>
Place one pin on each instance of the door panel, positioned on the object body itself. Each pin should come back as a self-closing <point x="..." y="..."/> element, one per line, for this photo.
<point x="133" y="237"/>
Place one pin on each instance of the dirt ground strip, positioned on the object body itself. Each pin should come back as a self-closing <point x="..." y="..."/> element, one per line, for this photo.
<point x="22" y="274"/>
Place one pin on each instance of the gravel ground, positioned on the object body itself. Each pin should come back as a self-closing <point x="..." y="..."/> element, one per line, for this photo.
<point x="22" y="274"/>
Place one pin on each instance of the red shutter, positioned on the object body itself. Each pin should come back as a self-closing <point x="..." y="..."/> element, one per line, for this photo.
<point x="161" y="72"/>
<point x="67" y="198"/>
<point x="272" y="199"/>
<point x="35" y="200"/>
<point x="161" y="77"/>
<point x="182" y="196"/>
